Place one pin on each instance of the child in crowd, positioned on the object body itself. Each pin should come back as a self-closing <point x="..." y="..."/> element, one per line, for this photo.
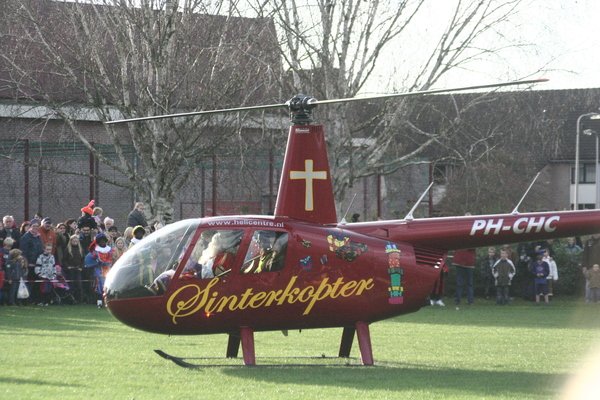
<point x="138" y="234"/>
<point x="593" y="278"/>
<point x="45" y="269"/>
<point x="540" y="270"/>
<point x="4" y="254"/>
<point x="503" y="272"/>
<point x="553" y="276"/>
<point x="119" y="248"/>
<point x="486" y="267"/>
<point x="97" y="214"/>
<point x="16" y="268"/>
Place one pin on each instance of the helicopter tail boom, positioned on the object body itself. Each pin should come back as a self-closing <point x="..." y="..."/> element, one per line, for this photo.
<point x="453" y="233"/>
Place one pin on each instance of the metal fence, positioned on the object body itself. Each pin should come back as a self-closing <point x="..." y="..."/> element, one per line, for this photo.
<point x="58" y="179"/>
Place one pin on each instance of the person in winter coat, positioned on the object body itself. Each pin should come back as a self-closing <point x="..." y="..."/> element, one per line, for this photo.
<point x="503" y="271"/>
<point x="45" y="269"/>
<point x="540" y="270"/>
<point x="593" y="277"/>
<point x="136" y="216"/>
<point x="10" y="230"/>
<point x="464" y="262"/>
<point x="486" y="266"/>
<point x="31" y="245"/>
<point x="553" y="276"/>
<point x="73" y="266"/>
<point x="16" y="268"/>
<point x="100" y="258"/>
<point x="48" y="234"/>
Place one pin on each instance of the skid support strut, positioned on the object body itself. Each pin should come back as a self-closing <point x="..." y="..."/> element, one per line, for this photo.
<point x="346" y="343"/>
<point x="364" y="343"/>
<point x="247" y="335"/>
<point x="233" y="345"/>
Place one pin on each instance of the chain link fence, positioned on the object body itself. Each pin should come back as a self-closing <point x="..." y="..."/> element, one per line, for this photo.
<point x="58" y="179"/>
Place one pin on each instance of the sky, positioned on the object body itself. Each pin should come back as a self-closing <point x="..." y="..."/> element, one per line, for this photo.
<point x="568" y="34"/>
<point x="561" y="36"/>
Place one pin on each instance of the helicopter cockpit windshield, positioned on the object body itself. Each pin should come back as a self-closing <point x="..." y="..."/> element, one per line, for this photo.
<point x="157" y="255"/>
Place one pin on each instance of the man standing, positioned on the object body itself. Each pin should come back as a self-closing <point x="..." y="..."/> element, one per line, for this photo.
<point x="136" y="216"/>
<point x="591" y="256"/>
<point x="464" y="261"/>
<point x="10" y="230"/>
<point x="48" y="234"/>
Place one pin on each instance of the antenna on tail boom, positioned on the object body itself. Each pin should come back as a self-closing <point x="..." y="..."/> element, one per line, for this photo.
<point x="409" y="216"/>
<point x="516" y="209"/>
<point x="343" y="221"/>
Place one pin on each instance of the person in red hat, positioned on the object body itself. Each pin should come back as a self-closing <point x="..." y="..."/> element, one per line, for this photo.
<point x="87" y="217"/>
<point x="100" y="258"/>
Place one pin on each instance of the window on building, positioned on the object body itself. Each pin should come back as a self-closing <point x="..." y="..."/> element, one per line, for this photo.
<point x="442" y="173"/>
<point x="587" y="173"/>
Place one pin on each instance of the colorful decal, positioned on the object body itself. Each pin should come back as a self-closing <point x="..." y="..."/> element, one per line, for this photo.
<point x="306" y="263"/>
<point x="324" y="259"/>
<point x="308" y="175"/>
<point x="396" y="290"/>
<point x="192" y="299"/>
<point x="337" y="240"/>
<point x="521" y="225"/>
<point x="306" y="243"/>
<point x="344" y="248"/>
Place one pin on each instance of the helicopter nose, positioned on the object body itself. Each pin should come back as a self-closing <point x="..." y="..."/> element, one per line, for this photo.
<point x="142" y="313"/>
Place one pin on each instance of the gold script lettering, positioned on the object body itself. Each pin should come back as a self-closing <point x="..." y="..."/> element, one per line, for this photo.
<point x="191" y="299"/>
<point x="193" y="304"/>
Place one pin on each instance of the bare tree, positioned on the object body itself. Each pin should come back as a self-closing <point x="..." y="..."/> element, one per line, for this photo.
<point x="332" y="49"/>
<point x="128" y="58"/>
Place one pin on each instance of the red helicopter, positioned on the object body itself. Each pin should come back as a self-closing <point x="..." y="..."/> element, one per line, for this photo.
<point x="301" y="268"/>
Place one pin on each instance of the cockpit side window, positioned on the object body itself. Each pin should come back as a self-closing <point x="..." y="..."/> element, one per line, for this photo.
<point x="266" y="252"/>
<point x="213" y="255"/>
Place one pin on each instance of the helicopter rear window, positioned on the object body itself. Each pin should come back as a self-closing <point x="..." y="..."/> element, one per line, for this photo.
<point x="213" y="255"/>
<point x="266" y="252"/>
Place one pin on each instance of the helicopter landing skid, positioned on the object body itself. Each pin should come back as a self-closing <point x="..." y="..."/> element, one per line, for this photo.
<point x="177" y="360"/>
<point x="181" y="361"/>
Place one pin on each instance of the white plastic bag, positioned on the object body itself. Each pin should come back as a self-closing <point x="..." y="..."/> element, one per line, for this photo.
<point x="22" y="293"/>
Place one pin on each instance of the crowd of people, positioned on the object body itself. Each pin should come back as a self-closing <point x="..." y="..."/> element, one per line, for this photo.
<point x="40" y="260"/>
<point x="536" y="264"/>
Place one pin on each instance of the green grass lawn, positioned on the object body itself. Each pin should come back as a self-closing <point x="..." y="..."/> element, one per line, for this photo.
<point x="514" y="352"/>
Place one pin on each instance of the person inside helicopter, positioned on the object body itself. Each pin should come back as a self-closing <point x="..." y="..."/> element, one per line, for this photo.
<point x="266" y="252"/>
<point x="213" y="255"/>
<point x="154" y="259"/>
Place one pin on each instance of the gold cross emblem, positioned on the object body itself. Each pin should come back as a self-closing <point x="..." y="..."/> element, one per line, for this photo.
<point x="308" y="175"/>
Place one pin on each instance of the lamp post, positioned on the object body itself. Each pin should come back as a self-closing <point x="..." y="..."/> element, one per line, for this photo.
<point x="590" y="132"/>
<point x="591" y="115"/>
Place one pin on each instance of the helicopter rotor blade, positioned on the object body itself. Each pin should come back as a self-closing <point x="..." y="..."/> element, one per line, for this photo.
<point x="194" y="113"/>
<point x="314" y="102"/>
<point x="432" y="91"/>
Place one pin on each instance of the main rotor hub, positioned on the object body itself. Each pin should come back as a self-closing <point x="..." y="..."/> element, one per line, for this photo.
<point x="301" y="107"/>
